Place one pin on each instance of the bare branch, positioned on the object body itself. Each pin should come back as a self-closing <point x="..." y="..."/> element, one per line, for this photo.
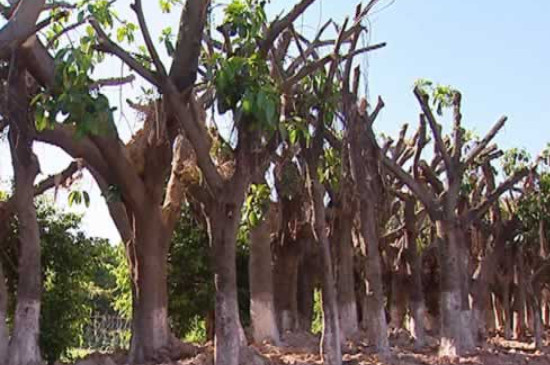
<point x="183" y="71"/>
<point x="435" y="127"/>
<point x="138" y="9"/>
<point x="20" y="26"/>
<point x="277" y="26"/>
<point x="314" y="66"/>
<point x="113" y="81"/>
<point x="107" y="45"/>
<point x="485" y="141"/>
<point x="55" y="180"/>
<point x="379" y="106"/>
<point x="477" y="212"/>
<point x="423" y="194"/>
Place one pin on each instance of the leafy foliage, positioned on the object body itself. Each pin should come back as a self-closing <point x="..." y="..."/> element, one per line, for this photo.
<point x="77" y="276"/>
<point x="256" y="204"/>
<point x="241" y="77"/>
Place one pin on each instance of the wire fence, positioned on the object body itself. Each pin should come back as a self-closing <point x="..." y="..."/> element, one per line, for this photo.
<point x="106" y="333"/>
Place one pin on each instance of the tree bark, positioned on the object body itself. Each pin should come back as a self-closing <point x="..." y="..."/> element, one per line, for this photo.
<point x="4" y="335"/>
<point x="345" y="276"/>
<point x="377" y="323"/>
<point x="151" y="336"/>
<point x="262" y="306"/>
<point x="455" y="338"/>
<point x="417" y="304"/>
<point x="24" y="347"/>
<point x="308" y="280"/>
<point x="223" y="219"/>
<point x="330" y="342"/>
<point x="286" y="284"/>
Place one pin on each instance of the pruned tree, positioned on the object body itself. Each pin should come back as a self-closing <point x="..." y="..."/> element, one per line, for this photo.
<point x="443" y="209"/>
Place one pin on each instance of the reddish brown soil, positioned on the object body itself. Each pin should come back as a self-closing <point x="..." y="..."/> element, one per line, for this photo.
<point x="302" y="349"/>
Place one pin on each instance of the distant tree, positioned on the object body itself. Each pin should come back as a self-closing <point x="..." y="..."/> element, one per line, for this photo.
<point x="77" y="276"/>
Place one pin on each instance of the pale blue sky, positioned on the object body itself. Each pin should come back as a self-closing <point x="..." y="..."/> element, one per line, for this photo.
<point x="496" y="52"/>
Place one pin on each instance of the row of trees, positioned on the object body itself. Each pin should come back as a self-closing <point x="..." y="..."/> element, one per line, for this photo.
<point x="352" y="209"/>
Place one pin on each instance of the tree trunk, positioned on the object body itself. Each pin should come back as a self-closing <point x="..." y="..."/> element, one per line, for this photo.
<point x="4" y="335"/>
<point x="262" y="306"/>
<point x="520" y="297"/>
<point x="286" y="285"/>
<point x="377" y="323"/>
<point x="364" y="154"/>
<point x="398" y="298"/>
<point x="308" y="280"/>
<point x="151" y="336"/>
<point x="417" y="305"/>
<point x="24" y="346"/>
<point x="223" y="219"/>
<point x="330" y="342"/>
<point x="345" y="276"/>
<point x="454" y="339"/>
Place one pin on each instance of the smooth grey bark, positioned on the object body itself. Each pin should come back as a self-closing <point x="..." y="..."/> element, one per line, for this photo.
<point x="150" y="328"/>
<point x="262" y="305"/>
<point x="345" y="276"/>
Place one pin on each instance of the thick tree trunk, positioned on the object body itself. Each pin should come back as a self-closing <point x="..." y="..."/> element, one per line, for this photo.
<point x="417" y="306"/>
<point x="398" y="298"/>
<point x="330" y="343"/>
<point x="262" y="306"/>
<point x="4" y="335"/>
<point x="286" y="285"/>
<point x="364" y="162"/>
<point x="308" y="280"/>
<point x="24" y="346"/>
<point x="151" y="336"/>
<point x="345" y="276"/>
<point x="376" y="318"/>
<point x="520" y="297"/>
<point x="454" y="337"/>
<point x="223" y="223"/>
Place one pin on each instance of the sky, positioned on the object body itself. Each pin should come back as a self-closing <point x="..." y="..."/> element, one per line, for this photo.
<point x="496" y="53"/>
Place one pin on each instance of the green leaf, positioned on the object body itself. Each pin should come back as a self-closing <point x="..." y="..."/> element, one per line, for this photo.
<point x="86" y="198"/>
<point x="75" y="197"/>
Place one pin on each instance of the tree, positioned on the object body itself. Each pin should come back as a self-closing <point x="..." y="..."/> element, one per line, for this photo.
<point x="445" y="211"/>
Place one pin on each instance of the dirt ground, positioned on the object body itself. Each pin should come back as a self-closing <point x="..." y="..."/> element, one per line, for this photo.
<point x="497" y="351"/>
<point x="303" y="349"/>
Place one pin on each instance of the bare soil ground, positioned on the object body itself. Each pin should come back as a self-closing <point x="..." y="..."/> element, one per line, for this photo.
<point x="302" y="349"/>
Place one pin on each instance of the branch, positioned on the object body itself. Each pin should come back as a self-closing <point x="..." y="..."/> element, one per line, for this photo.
<point x="188" y="118"/>
<point x="457" y="128"/>
<point x="379" y="106"/>
<point x="51" y="181"/>
<point x="277" y="26"/>
<point x="20" y="26"/>
<point x="310" y="68"/>
<point x="485" y="141"/>
<point x="138" y="9"/>
<point x="65" y="30"/>
<point x="311" y="48"/>
<point x="434" y="126"/>
<point x="477" y="212"/>
<point x="57" y="179"/>
<point x="64" y="137"/>
<point x="113" y="81"/>
<point x="107" y="45"/>
<point x="175" y="190"/>
<point x="423" y="194"/>
<point x="183" y="71"/>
